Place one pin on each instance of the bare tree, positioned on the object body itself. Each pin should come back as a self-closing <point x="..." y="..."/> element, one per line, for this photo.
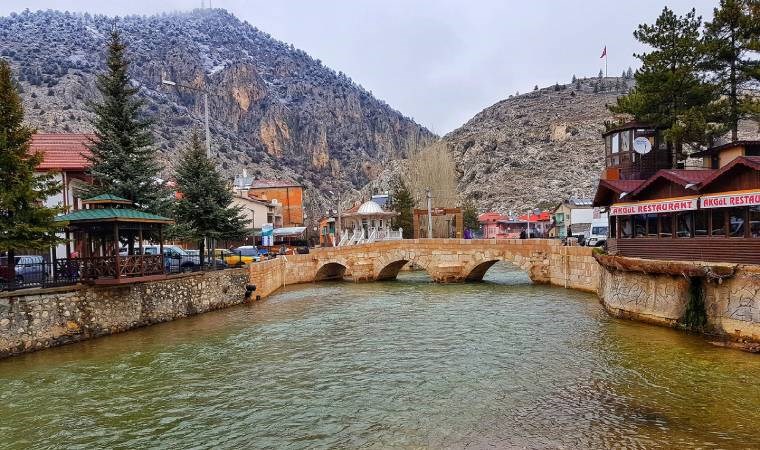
<point x="433" y="168"/>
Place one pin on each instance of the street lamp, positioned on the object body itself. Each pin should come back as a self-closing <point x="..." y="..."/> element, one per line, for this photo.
<point x="205" y="107"/>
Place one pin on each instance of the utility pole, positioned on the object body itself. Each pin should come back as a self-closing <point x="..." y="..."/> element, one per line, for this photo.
<point x="430" y="214"/>
<point x="339" y="229"/>
<point x="205" y="107"/>
<point x="208" y="131"/>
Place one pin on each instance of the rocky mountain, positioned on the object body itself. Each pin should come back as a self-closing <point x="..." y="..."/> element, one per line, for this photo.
<point x="537" y="148"/>
<point x="275" y="111"/>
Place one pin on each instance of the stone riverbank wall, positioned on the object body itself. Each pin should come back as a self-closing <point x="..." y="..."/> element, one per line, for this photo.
<point x="34" y="319"/>
<point x="726" y="296"/>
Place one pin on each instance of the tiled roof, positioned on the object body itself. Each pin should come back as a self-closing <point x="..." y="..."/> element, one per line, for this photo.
<point x="753" y="162"/>
<point x="106" y="198"/>
<point x="110" y="214"/>
<point x="682" y="177"/>
<point x="62" y="151"/>
<point x="622" y="185"/>
<point x="718" y="148"/>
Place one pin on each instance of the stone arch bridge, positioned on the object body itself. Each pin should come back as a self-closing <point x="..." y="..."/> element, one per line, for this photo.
<point x="445" y="260"/>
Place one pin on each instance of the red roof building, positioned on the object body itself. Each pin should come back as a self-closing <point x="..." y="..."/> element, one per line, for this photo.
<point x="66" y="154"/>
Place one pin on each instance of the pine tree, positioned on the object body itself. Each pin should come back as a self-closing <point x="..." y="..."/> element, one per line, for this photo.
<point x="123" y="160"/>
<point x="669" y="92"/>
<point x="731" y="53"/>
<point x="574" y="79"/>
<point x="601" y="74"/>
<point x="629" y="73"/>
<point x="403" y="202"/>
<point x="205" y="209"/>
<point x="535" y="88"/>
<point x="24" y="221"/>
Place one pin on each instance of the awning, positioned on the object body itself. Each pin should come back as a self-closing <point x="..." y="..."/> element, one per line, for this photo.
<point x="658" y="206"/>
<point x="289" y="231"/>
<point x="729" y="199"/>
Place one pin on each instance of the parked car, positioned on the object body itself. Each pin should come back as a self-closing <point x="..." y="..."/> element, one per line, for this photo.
<point x="242" y="255"/>
<point x="196" y="256"/>
<point x="598" y="235"/>
<point x="30" y="269"/>
<point x="176" y="258"/>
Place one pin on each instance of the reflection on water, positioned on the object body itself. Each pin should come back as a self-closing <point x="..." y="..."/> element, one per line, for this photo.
<point x="394" y="364"/>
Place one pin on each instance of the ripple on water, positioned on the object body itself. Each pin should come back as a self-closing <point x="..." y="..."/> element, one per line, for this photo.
<point x="398" y="364"/>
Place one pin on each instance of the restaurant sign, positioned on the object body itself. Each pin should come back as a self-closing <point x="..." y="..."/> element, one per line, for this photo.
<point x="662" y="206"/>
<point x="728" y="199"/>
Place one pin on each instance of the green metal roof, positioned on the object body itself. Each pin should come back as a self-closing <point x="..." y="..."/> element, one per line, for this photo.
<point x="106" y="198"/>
<point x="111" y="214"/>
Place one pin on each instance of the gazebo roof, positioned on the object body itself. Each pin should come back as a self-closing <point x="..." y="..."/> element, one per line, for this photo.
<point x="112" y="215"/>
<point x="107" y="198"/>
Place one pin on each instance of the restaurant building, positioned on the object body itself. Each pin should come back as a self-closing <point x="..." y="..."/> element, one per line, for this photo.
<point x="657" y="211"/>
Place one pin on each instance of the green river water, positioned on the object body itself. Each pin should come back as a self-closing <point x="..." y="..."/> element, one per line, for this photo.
<point x="402" y="364"/>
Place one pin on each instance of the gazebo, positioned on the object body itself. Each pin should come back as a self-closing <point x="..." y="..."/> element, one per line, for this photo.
<point x="109" y="236"/>
<point x="368" y="222"/>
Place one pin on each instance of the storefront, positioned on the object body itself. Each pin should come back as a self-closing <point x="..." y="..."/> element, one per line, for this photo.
<point x="718" y="221"/>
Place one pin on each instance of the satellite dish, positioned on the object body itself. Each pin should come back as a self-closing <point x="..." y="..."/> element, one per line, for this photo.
<point x="642" y="146"/>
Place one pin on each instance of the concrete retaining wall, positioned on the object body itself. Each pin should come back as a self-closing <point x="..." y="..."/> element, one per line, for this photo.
<point x="36" y="319"/>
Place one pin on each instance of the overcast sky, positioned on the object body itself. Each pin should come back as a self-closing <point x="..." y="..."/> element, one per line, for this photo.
<point x="438" y="61"/>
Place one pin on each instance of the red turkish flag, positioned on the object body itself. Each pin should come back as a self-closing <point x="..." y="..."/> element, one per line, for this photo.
<point x="604" y="52"/>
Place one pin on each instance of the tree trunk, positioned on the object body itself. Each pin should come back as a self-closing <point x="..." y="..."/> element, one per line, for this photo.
<point x="734" y="119"/>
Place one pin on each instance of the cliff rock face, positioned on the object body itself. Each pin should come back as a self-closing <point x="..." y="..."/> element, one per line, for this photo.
<point x="536" y="148"/>
<point x="274" y="110"/>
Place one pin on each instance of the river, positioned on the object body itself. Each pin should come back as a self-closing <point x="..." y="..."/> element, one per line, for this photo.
<point x="407" y="363"/>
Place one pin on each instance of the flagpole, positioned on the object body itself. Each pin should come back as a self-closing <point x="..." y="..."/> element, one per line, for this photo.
<point x="605" y="63"/>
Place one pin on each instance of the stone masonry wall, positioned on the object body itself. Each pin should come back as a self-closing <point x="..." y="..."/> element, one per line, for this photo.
<point x="41" y="318"/>
<point x="732" y="303"/>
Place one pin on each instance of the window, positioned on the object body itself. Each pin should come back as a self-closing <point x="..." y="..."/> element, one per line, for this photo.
<point x="666" y="225"/>
<point x="640" y="225"/>
<point x="652" y="225"/>
<point x="754" y="221"/>
<point x="615" y="143"/>
<point x="717" y="222"/>
<point x="736" y="219"/>
<point x="626" y="230"/>
<point x="684" y="224"/>
<point x="625" y="141"/>
<point x="700" y="222"/>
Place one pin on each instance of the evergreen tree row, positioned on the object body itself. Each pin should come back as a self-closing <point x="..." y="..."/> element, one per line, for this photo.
<point x="697" y="81"/>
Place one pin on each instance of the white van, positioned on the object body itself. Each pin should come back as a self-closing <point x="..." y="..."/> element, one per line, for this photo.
<point x="598" y="235"/>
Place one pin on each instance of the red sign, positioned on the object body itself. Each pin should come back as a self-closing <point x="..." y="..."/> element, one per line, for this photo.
<point x="730" y="199"/>
<point x="654" y="207"/>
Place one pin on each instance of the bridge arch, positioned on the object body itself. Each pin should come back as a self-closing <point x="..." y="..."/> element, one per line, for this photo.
<point x="390" y="270"/>
<point x="330" y="271"/>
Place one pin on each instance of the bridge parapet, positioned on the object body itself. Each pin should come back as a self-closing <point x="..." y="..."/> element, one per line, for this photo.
<point x="446" y="260"/>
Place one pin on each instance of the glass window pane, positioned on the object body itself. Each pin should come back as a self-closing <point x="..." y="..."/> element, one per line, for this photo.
<point x="615" y="142"/>
<point x="718" y="222"/>
<point x="684" y="224"/>
<point x="700" y="222"/>
<point x="652" y="225"/>
<point x="640" y="225"/>
<point x="666" y="225"/>
<point x="626" y="229"/>
<point x="754" y="221"/>
<point x="736" y="219"/>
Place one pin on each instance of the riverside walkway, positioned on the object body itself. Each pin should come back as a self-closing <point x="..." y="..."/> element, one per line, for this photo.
<point x="446" y="260"/>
